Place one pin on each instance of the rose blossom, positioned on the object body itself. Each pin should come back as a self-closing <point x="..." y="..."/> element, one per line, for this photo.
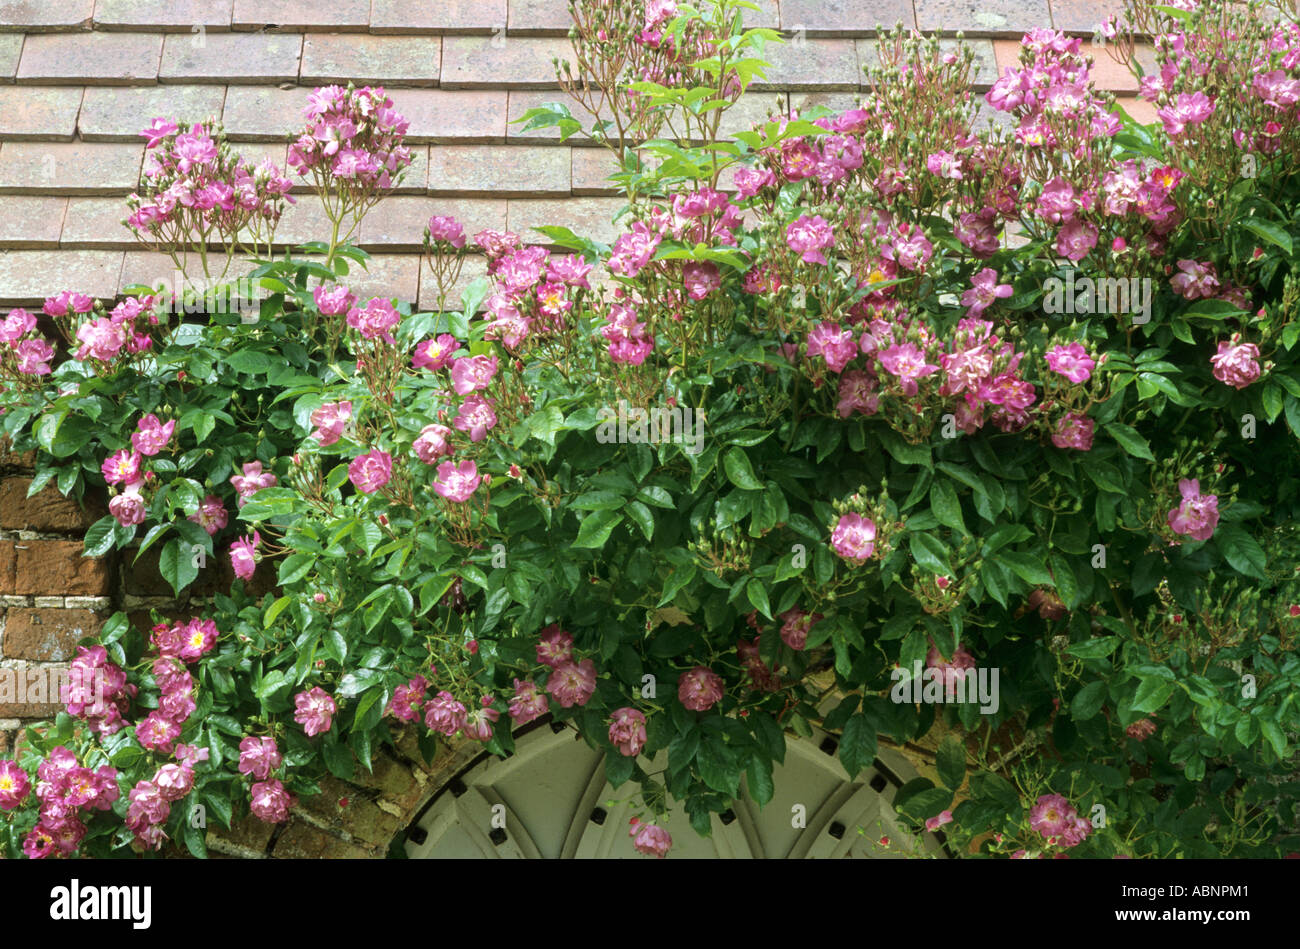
<point x="329" y="421"/>
<point x="627" y="731"/>
<point x="1071" y="361"/>
<point x="527" y="703"/>
<point x="699" y="689"/>
<point x="435" y="354"/>
<point x="14" y="785"/>
<point x="1073" y="431"/>
<point x="1197" y="514"/>
<point x="211" y="515"/>
<point x="258" y="757"/>
<point x="555" y="647"/>
<point x="650" y="839"/>
<point x="314" y="712"/>
<point x="808" y="237"/>
<point x="152" y="436"/>
<point x="1235" y="363"/>
<point x="854" y="537"/>
<point x="270" y="802"/>
<point x="572" y="683"/>
<point x="371" y="471"/>
<point x="471" y="373"/>
<point x="443" y="714"/>
<point x="432" y="443"/>
<point x="243" y="555"/>
<point x="457" y="482"/>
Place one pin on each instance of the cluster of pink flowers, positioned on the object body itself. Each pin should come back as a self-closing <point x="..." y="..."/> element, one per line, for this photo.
<point x="353" y="140"/>
<point x="761" y="676"/>
<point x="31" y="352"/>
<point x="97" y="691"/>
<point x="65" y="789"/>
<point x="151" y="800"/>
<point x="1197" y="514"/>
<point x="532" y="292"/>
<point x="196" y="187"/>
<point x="571" y="682"/>
<point x="407" y="699"/>
<point x="376" y="320"/>
<point x="269" y="800"/>
<point x="1058" y="822"/>
<point x="314" y="710"/>
<point x="629" y="342"/>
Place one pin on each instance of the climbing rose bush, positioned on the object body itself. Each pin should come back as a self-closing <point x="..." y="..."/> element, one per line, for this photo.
<point x="852" y="396"/>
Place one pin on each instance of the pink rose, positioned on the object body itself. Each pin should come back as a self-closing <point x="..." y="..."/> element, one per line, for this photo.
<point x="371" y="471"/>
<point x="259" y="757"/>
<point x="270" y="802"/>
<point x="854" y="537"/>
<point x="443" y="714"/>
<point x="650" y="839"/>
<point x="627" y="731"/>
<point x="572" y="683"/>
<point x="1197" y="514"/>
<point x="1235" y="363"/>
<point x="315" y="710"/>
<point x="699" y="689"/>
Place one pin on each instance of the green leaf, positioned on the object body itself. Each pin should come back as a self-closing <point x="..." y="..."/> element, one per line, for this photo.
<point x="1152" y="694"/>
<point x="1270" y="232"/>
<point x="1129" y="439"/>
<point x="858" y="744"/>
<point x="1241" y="551"/>
<point x="758" y="778"/>
<point x="1027" y="567"/>
<point x="1064" y="579"/>
<point x="642" y="517"/>
<point x="176" y="565"/>
<point x="736" y="464"/>
<point x="338" y="758"/>
<point x="1097" y="648"/>
<point x="1276" y="737"/>
<point x="950" y="762"/>
<point x="757" y="595"/>
<point x="596" y="528"/>
<point x="100" y="536"/>
<point x="946" y="506"/>
<point x="717" y="766"/>
<point x="929" y="553"/>
<point x="1088" y="701"/>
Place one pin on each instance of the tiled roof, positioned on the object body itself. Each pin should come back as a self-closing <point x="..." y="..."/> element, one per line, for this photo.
<point x="80" y="78"/>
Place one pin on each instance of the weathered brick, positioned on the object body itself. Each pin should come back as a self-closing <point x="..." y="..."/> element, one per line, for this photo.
<point x="31" y="692"/>
<point x="11" y="48"/>
<point x="44" y="113"/>
<point x="398" y="223"/>
<point x="591" y="167"/>
<point x="591" y="217"/>
<point x="178" y="16"/>
<point x="117" y="115"/>
<point x="390" y="61"/>
<point x="96" y="224"/>
<point x="91" y="58"/>
<point x="303" y="222"/>
<point x="31" y="221"/>
<point x="69" y="167"/>
<point x="1083" y="16"/>
<point x="471" y="62"/>
<point x="40" y="16"/>
<point x="232" y="58"/>
<point x="844" y="17"/>
<point x="981" y="18"/>
<point x="815" y="64"/>
<point x="301" y="841"/>
<point x="302" y="15"/>
<point x="8" y="567"/>
<point x="47" y="635"/>
<point x="459" y="116"/>
<point x="57" y="566"/>
<point x="389" y="275"/>
<point x="443" y="16"/>
<point x="538" y="17"/>
<point x="26" y="276"/>
<point x="47" y="510"/>
<point x="1115" y="77"/>
<point x="11" y="460"/>
<point x="396" y="783"/>
<point x="263" y="113"/>
<point x="249" y="835"/>
<point x="344" y="807"/>
<point x="503" y="170"/>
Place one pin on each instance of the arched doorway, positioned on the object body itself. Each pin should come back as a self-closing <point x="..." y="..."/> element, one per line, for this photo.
<point x="554" y="802"/>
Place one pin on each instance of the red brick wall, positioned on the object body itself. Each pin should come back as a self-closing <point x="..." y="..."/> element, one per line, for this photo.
<point x="50" y="595"/>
